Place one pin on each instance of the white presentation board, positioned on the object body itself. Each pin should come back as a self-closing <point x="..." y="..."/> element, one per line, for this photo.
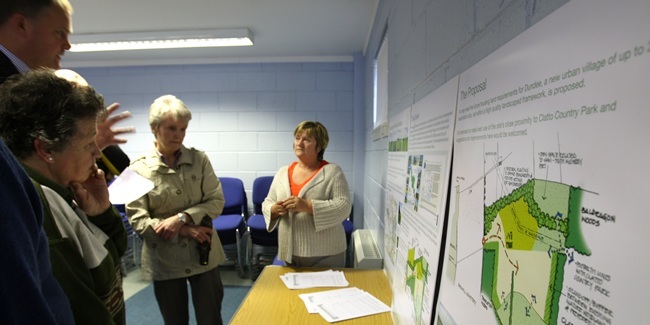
<point x="419" y="159"/>
<point x="548" y="216"/>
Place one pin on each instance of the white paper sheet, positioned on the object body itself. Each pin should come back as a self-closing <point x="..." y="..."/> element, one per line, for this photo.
<point x="304" y="280"/>
<point x="128" y="187"/>
<point x="312" y="300"/>
<point x="342" y="304"/>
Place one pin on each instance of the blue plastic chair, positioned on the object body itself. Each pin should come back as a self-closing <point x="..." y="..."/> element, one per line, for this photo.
<point x="261" y="242"/>
<point x="231" y="224"/>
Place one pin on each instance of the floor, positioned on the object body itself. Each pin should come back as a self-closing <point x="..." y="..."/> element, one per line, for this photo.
<point x="134" y="282"/>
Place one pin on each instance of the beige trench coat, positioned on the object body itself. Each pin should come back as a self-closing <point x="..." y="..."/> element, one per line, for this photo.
<point x="192" y="187"/>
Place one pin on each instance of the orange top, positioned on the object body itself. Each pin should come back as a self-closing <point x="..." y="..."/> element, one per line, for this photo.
<point x="295" y="188"/>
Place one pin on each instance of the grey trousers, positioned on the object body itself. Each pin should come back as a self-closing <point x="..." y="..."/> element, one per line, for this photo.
<point x="207" y="294"/>
<point x="336" y="261"/>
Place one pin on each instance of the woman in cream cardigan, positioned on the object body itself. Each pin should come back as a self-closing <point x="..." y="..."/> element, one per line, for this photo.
<point x="307" y="202"/>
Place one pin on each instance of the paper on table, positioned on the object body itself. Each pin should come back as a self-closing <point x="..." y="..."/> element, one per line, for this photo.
<point x="312" y="299"/>
<point x="305" y="280"/>
<point x="128" y="187"/>
<point x="342" y="304"/>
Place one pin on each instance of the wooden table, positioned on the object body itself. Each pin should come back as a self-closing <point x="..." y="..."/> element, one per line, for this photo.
<point x="270" y="301"/>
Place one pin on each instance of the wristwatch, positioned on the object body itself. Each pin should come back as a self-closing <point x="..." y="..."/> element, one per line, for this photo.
<point x="182" y="217"/>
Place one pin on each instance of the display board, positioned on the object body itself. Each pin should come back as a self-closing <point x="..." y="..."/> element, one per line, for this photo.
<point x="547" y="215"/>
<point x="419" y="158"/>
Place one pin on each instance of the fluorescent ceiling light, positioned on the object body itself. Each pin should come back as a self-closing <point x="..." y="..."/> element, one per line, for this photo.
<point x="160" y="40"/>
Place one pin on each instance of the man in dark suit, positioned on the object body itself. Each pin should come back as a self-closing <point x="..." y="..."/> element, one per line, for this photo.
<point x="34" y="34"/>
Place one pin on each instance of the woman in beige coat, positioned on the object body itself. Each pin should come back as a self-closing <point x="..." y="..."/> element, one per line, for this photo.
<point x="169" y="219"/>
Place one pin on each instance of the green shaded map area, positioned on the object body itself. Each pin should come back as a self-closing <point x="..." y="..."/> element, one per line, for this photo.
<point x="525" y="241"/>
<point x="417" y="276"/>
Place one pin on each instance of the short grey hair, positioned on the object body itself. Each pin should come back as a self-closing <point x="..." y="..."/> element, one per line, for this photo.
<point x="168" y="106"/>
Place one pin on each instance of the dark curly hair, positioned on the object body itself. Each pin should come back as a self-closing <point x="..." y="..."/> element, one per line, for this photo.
<point x="39" y="104"/>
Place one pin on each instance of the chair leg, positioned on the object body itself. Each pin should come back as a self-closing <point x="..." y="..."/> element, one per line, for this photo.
<point x="249" y="250"/>
<point x="241" y="269"/>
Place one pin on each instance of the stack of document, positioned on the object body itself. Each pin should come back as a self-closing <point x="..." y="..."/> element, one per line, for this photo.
<point x="341" y="304"/>
<point x="304" y="280"/>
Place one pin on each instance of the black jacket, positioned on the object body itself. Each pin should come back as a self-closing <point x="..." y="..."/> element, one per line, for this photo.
<point x="7" y="68"/>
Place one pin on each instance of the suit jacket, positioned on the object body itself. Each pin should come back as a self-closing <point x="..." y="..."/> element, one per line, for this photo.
<point x="7" y="68"/>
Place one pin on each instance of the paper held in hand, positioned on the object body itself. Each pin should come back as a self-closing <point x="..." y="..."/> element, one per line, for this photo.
<point x="128" y="187"/>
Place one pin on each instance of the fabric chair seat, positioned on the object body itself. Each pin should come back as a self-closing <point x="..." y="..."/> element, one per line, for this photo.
<point x="231" y="224"/>
<point x="226" y="225"/>
<point x="349" y="227"/>
<point x="258" y="232"/>
<point x="257" y="222"/>
<point x="276" y="261"/>
<point x="263" y="244"/>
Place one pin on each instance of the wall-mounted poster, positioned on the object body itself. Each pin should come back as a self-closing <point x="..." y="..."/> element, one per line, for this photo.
<point x="420" y="142"/>
<point x="548" y="215"/>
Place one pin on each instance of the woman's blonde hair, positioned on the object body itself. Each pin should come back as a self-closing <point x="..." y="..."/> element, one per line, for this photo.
<point x="168" y="106"/>
<point x="318" y="132"/>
